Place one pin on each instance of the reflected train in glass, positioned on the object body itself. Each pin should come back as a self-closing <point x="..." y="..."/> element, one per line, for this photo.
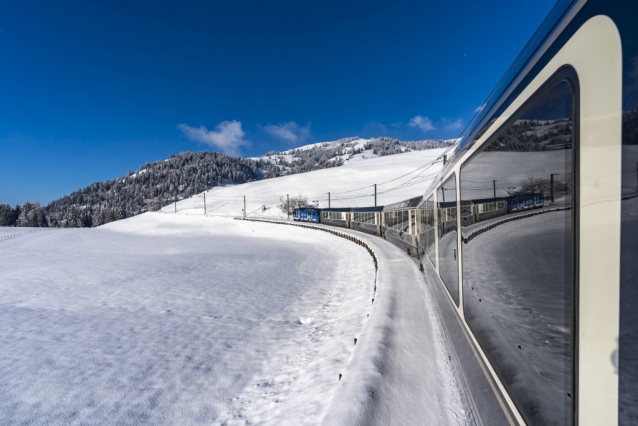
<point x="528" y="235"/>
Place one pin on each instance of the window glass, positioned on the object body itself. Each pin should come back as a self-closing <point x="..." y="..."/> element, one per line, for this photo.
<point x="448" y="250"/>
<point x="429" y="228"/>
<point x="517" y="254"/>
<point x="413" y="221"/>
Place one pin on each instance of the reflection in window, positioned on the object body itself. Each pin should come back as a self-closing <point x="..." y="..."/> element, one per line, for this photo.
<point x="429" y="229"/>
<point x="425" y="220"/>
<point x="448" y="250"/>
<point x="516" y="198"/>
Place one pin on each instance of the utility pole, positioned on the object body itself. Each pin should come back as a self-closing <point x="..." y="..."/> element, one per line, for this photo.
<point x="551" y="187"/>
<point x="244" y="207"/>
<point x="329" y="193"/>
<point x="204" y="203"/>
<point x="494" y="185"/>
<point x="288" y="205"/>
<point x="175" y="203"/>
<point x="375" y="194"/>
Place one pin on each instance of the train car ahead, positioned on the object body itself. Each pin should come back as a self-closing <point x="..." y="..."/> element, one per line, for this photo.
<point x="306" y="214"/>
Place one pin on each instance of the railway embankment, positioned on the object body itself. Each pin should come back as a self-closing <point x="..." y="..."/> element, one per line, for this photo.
<point x="400" y="371"/>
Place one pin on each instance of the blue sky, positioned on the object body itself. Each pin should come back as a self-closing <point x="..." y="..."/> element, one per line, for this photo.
<point x="93" y="89"/>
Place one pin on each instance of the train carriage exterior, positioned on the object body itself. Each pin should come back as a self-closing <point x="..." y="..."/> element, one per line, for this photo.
<point x="487" y="208"/>
<point x="367" y="219"/>
<point x="307" y="214"/>
<point x="336" y="216"/>
<point x="525" y="202"/>
<point x="538" y="291"/>
<point x="399" y="224"/>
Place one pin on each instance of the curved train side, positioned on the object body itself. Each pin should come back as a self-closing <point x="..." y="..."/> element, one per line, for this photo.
<point x="528" y="234"/>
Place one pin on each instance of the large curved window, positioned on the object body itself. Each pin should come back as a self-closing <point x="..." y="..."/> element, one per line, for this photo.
<point x="448" y="244"/>
<point x="426" y="228"/>
<point x="518" y="280"/>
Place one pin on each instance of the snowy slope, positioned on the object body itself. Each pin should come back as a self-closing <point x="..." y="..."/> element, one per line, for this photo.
<point x="398" y="177"/>
<point x="165" y="319"/>
<point x="323" y="155"/>
<point x="186" y="319"/>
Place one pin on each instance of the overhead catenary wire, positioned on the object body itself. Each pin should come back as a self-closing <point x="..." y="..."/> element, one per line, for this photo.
<point x="414" y="180"/>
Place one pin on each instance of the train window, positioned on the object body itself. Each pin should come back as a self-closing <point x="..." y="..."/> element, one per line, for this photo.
<point x="429" y="228"/>
<point x="448" y="249"/>
<point x="518" y="281"/>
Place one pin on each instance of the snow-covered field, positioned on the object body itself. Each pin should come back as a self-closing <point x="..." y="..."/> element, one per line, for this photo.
<point x="187" y="319"/>
<point x="350" y="185"/>
<point x="172" y="320"/>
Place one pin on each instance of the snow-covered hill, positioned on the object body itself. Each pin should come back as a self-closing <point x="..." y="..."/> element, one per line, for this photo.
<point x="336" y="153"/>
<point x="187" y="319"/>
<point x="398" y="177"/>
<point x="180" y="176"/>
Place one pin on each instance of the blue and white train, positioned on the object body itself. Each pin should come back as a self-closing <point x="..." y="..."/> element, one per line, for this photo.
<point x="536" y="280"/>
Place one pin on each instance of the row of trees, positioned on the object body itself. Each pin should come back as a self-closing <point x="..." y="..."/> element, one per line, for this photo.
<point x="389" y="146"/>
<point x="332" y="154"/>
<point x="534" y="135"/>
<point x="151" y="187"/>
<point x="30" y="215"/>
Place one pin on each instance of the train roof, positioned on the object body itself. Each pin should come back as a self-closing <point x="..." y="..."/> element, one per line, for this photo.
<point x="405" y="204"/>
<point x="487" y="200"/>
<point x="446" y="204"/>
<point x="367" y="209"/>
<point x="536" y="53"/>
<point x="535" y="194"/>
<point x="337" y="209"/>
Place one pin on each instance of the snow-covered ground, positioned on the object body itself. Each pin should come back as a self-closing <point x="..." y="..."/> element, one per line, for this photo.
<point x="177" y="320"/>
<point x="398" y="177"/>
<point x="187" y="319"/>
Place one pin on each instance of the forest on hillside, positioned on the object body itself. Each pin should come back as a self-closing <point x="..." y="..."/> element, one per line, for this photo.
<point x="181" y="176"/>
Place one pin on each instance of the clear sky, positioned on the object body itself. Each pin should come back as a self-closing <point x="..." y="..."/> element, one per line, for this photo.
<point x="92" y="89"/>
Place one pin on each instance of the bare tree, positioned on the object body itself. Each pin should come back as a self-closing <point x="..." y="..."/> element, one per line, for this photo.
<point x="295" y="202"/>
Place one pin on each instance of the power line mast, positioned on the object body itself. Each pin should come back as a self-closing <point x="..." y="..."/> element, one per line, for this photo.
<point x="375" y="194"/>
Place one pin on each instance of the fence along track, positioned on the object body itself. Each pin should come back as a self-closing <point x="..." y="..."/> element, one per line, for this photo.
<point x="338" y="234"/>
<point x="484" y="229"/>
<point x="8" y="237"/>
